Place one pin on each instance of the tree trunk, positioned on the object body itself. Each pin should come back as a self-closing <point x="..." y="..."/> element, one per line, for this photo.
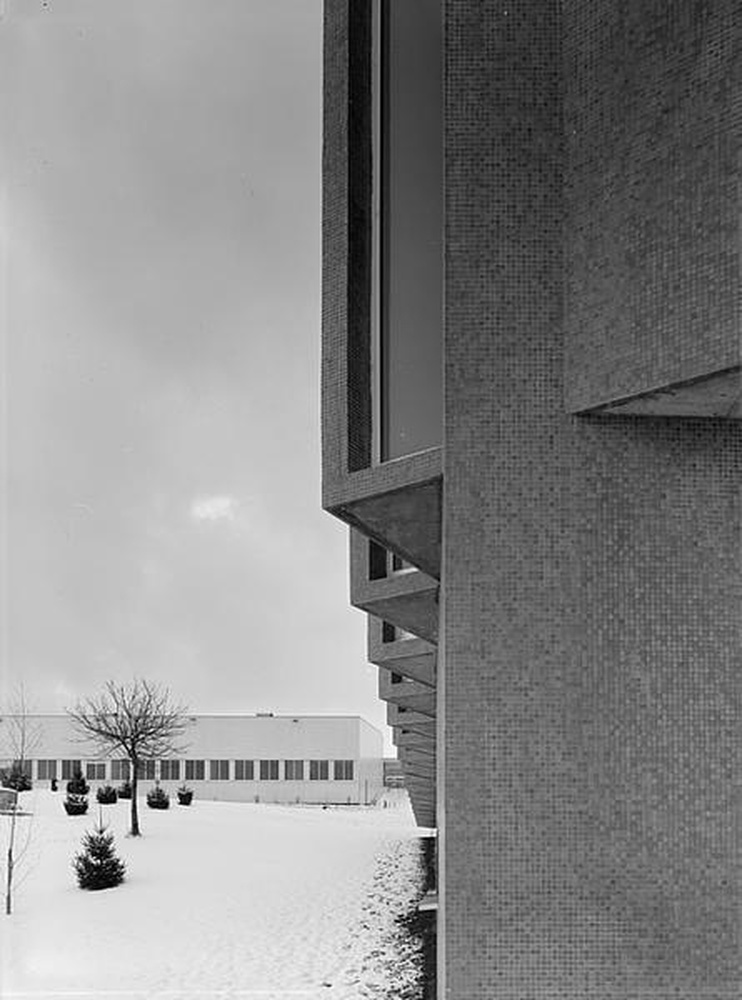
<point x="9" y="883"/>
<point x="135" y="831"/>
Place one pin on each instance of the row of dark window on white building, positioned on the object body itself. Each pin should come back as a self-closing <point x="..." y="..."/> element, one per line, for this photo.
<point x="195" y="770"/>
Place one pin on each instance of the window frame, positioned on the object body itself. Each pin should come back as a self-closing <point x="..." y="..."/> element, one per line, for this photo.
<point x="167" y="767"/>
<point x="273" y="773"/>
<point x="219" y="769"/>
<point x="316" y="769"/>
<point x="244" y="765"/>
<point x="95" y="770"/>
<point x="339" y="769"/>
<point x="294" y="765"/>
<point x="192" y="765"/>
<point x="43" y="763"/>
<point x="121" y="769"/>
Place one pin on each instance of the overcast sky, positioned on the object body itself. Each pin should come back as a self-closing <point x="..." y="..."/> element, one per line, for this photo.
<point x="161" y="283"/>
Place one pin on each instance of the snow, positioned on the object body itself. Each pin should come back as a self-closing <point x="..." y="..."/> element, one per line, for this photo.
<point x="221" y="900"/>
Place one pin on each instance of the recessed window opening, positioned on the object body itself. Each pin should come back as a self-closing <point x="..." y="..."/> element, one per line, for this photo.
<point x="377" y="561"/>
<point x="400" y="565"/>
<point x="397" y="678"/>
<point x="388" y="632"/>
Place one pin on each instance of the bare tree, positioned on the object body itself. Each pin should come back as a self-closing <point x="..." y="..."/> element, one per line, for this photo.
<point x="137" y="721"/>
<point x="21" y="739"/>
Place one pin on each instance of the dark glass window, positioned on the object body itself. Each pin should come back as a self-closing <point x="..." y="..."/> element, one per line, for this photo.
<point x="343" y="770"/>
<point x="68" y="768"/>
<point x="319" y="770"/>
<point x="146" y="770"/>
<point x="219" y="770"/>
<point x="244" y="770"/>
<point x="294" y="770"/>
<point x="170" y="770"/>
<point x="120" y="770"/>
<point x="269" y="770"/>
<point x="377" y="561"/>
<point x="409" y="241"/>
<point x="46" y="770"/>
<point x="195" y="770"/>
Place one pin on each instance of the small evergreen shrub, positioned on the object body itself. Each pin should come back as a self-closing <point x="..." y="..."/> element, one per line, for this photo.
<point x="124" y="790"/>
<point x="75" y="805"/>
<point x="158" y="798"/>
<point x="16" y="778"/>
<point x="106" y="795"/>
<point x="185" y="795"/>
<point x="77" y="785"/>
<point x="97" y="866"/>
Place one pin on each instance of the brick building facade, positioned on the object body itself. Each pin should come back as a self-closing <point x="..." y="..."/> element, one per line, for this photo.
<point x="553" y="573"/>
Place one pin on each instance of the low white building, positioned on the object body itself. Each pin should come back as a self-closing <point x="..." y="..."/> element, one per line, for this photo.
<point x="246" y="758"/>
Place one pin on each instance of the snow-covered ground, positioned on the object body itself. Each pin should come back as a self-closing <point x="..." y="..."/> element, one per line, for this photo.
<point x="221" y="900"/>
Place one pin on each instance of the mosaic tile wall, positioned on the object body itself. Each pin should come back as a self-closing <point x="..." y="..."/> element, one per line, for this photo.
<point x="653" y="122"/>
<point x="590" y="697"/>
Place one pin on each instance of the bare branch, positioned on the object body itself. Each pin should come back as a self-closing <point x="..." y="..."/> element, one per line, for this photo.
<point x="138" y="721"/>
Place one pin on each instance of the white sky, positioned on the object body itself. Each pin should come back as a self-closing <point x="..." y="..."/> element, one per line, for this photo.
<point x="160" y="295"/>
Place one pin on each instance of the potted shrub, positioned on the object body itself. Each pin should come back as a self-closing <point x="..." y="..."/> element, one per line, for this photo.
<point x="185" y="795"/>
<point x="106" y="795"/>
<point x="16" y="777"/>
<point x="124" y="790"/>
<point x="75" y="804"/>
<point x="77" y="785"/>
<point x="157" y="798"/>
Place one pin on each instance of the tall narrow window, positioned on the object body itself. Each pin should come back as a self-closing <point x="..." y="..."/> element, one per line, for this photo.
<point x="195" y="770"/>
<point x="146" y="770"/>
<point x="46" y="770"/>
<point x="244" y="770"/>
<point x="377" y="560"/>
<point x="219" y="770"/>
<point x="269" y="770"/>
<point x="120" y="770"/>
<point x="69" y="767"/>
<point x="294" y="770"/>
<point x="408" y="199"/>
<point x="170" y="770"/>
<point x="343" y="770"/>
<point x="319" y="770"/>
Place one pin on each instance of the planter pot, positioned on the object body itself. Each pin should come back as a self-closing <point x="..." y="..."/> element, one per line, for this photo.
<point x="75" y="808"/>
<point x="158" y="803"/>
<point x="106" y="798"/>
<point x="185" y="798"/>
